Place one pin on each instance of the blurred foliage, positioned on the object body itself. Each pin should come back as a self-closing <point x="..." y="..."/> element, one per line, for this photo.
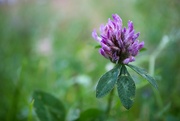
<point x="48" y="108"/>
<point x="48" y="46"/>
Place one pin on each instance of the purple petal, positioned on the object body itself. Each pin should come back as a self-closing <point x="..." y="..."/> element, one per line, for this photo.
<point x="101" y="28"/>
<point x="118" y="21"/>
<point x="95" y="36"/>
<point x="115" y="48"/>
<point x="105" y="47"/>
<point x="129" y="37"/>
<point x="130" y="59"/>
<point x="110" y="23"/>
<point x="115" y="58"/>
<point x="108" y="34"/>
<point x="116" y="18"/>
<point x="110" y="42"/>
<point x="134" y="52"/>
<point x="102" y="52"/>
<point x="124" y="30"/>
<point x="114" y="24"/>
<point x="118" y="35"/>
<point x="135" y="44"/>
<point x="141" y="45"/>
<point x="103" y="37"/>
<point x="136" y="36"/>
<point x="120" y="43"/>
<point x="130" y="26"/>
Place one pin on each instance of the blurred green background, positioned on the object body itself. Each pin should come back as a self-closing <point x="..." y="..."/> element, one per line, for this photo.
<point x="47" y="45"/>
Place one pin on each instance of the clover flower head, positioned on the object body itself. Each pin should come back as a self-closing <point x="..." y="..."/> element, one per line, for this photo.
<point x="118" y="44"/>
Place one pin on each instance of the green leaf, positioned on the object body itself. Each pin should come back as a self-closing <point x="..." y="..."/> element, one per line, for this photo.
<point x="142" y="50"/>
<point x="97" y="46"/>
<point x="126" y="88"/>
<point x="145" y="75"/>
<point x="107" y="81"/>
<point x="91" y="115"/>
<point x="47" y="107"/>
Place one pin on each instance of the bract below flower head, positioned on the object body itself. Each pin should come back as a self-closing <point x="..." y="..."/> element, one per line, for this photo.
<point x="118" y="44"/>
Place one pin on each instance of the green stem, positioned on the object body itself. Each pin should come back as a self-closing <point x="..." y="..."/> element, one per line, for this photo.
<point x="30" y="110"/>
<point x="109" y="105"/>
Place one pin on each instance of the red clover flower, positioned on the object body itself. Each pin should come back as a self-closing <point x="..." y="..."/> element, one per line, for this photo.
<point x="118" y="44"/>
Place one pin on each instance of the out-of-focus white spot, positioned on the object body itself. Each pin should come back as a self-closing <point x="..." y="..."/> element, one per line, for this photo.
<point x="44" y="46"/>
<point x="73" y="114"/>
<point x="83" y="80"/>
<point x="109" y="66"/>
